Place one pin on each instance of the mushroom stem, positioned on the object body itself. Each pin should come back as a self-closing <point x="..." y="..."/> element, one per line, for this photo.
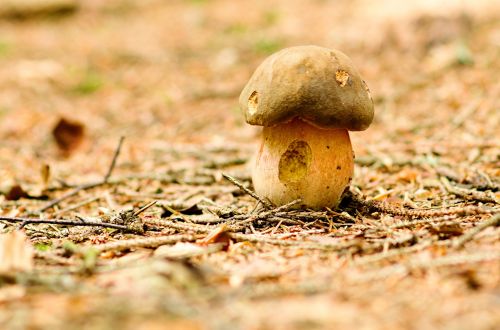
<point x="298" y="160"/>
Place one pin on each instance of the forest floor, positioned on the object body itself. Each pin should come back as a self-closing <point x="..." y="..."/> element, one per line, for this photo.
<point x="175" y="244"/>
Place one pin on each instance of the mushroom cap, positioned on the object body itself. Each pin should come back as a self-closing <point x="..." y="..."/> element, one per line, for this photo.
<point x="318" y="85"/>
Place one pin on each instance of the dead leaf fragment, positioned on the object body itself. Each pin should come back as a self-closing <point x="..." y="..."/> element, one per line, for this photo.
<point x="218" y="235"/>
<point x="446" y="231"/>
<point x="407" y="175"/>
<point x="25" y="9"/>
<point x="15" y="193"/>
<point x="68" y="134"/>
<point x="16" y="253"/>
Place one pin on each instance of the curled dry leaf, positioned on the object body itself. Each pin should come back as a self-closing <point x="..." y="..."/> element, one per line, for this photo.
<point x="16" y="253"/>
<point x="68" y="135"/>
<point x="218" y="235"/>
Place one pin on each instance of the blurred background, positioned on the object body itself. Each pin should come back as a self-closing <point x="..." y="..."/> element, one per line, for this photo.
<point x="167" y="72"/>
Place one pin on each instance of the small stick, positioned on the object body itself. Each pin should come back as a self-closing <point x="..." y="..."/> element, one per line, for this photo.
<point x="376" y="257"/>
<point x="180" y="225"/>
<point x="73" y="192"/>
<point x="86" y="186"/>
<point x="26" y="221"/>
<point x="76" y="206"/>
<point x="113" y="162"/>
<point x="376" y="206"/>
<point x="266" y="214"/>
<point x="264" y="202"/>
<point x="469" y="194"/>
<point x="493" y="221"/>
<point x="294" y="243"/>
<point x="148" y="242"/>
<point x="144" y="208"/>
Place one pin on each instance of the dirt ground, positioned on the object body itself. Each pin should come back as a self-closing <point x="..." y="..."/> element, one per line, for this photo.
<point x="419" y="249"/>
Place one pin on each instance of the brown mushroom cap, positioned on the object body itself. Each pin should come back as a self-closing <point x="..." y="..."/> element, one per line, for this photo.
<point x="318" y="85"/>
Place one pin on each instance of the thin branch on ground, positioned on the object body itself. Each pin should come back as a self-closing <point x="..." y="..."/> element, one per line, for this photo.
<point x="372" y="258"/>
<point x="113" y="161"/>
<point x="180" y="225"/>
<point x="148" y="242"/>
<point x="468" y="194"/>
<point x="144" y="208"/>
<point x="27" y="221"/>
<point x="240" y="185"/>
<point x="411" y="223"/>
<point x="327" y="246"/>
<point x="77" y="206"/>
<point x="468" y="236"/>
<point x="376" y="206"/>
<point x="266" y="214"/>
<point x="89" y="185"/>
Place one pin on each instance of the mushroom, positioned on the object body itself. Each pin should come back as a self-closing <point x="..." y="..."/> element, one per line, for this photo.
<point x="307" y="98"/>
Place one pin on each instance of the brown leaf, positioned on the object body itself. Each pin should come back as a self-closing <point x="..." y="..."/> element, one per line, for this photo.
<point x="68" y="135"/>
<point x="15" y="193"/>
<point x="446" y="231"/>
<point x="218" y="235"/>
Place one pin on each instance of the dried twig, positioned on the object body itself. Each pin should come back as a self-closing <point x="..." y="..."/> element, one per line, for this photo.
<point x="493" y="221"/>
<point x="263" y="201"/>
<point x="27" y="221"/>
<point x="468" y="194"/>
<point x="144" y="208"/>
<point x="149" y="242"/>
<point x="113" y="161"/>
<point x="76" y="206"/>
<point x="376" y="206"/>
<point x="89" y="185"/>
<point x="392" y="253"/>
<point x="180" y="226"/>
<point x="295" y="243"/>
<point x="266" y="214"/>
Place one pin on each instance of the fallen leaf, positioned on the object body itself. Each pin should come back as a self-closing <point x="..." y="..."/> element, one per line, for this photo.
<point x="15" y="193"/>
<point x="446" y="231"/>
<point x="68" y="135"/>
<point x="218" y="235"/>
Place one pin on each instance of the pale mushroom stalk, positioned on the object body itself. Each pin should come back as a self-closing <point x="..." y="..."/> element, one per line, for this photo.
<point x="297" y="160"/>
<point x="307" y="98"/>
